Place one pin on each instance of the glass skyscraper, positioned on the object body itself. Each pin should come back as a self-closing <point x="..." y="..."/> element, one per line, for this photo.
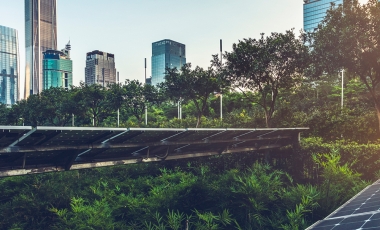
<point x="314" y="11"/>
<point x="9" y="66"/>
<point x="100" y="68"/>
<point x="40" y="36"/>
<point x="166" y="53"/>
<point x="57" y="68"/>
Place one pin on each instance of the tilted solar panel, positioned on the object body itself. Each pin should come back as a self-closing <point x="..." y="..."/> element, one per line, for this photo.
<point x="25" y="150"/>
<point x="360" y="212"/>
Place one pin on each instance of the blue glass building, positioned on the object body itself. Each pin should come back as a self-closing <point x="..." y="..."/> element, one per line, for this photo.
<point x="9" y="66"/>
<point x="57" y="68"/>
<point x="166" y="53"/>
<point x="314" y="11"/>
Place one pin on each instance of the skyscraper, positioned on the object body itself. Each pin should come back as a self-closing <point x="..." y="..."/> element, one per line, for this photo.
<point x="166" y="53"/>
<point x="314" y="11"/>
<point x="57" y="68"/>
<point x="9" y="66"/>
<point x="100" y="68"/>
<point x="40" y="35"/>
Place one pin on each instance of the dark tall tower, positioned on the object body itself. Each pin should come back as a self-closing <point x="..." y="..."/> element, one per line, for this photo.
<point x="166" y="53"/>
<point x="40" y="35"/>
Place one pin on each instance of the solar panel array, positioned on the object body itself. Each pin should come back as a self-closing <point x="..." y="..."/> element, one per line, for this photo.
<point x="361" y="212"/>
<point x="25" y="150"/>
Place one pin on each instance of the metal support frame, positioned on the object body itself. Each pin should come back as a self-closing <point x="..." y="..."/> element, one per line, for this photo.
<point x="117" y="135"/>
<point x="164" y="140"/>
<point x="206" y="138"/>
<point x="166" y="154"/>
<point x="24" y="161"/>
<point x="178" y="149"/>
<point x="131" y="145"/>
<point x="237" y="137"/>
<point x="23" y="137"/>
<point x="175" y="144"/>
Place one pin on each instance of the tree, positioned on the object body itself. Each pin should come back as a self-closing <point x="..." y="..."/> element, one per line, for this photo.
<point x="348" y="38"/>
<point x="265" y="66"/>
<point x="137" y="96"/>
<point x="33" y="110"/>
<point x="4" y="111"/>
<point x="195" y="85"/>
<point x="92" y="99"/>
<point x="59" y="105"/>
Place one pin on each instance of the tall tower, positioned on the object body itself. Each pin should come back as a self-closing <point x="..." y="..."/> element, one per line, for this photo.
<point x="100" y="68"/>
<point x="9" y="66"/>
<point x="314" y="11"/>
<point x="40" y="36"/>
<point x="166" y="53"/>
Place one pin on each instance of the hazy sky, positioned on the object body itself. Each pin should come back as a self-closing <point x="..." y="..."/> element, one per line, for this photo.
<point x="128" y="28"/>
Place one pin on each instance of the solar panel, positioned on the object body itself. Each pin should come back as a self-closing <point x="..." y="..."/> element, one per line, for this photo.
<point x="360" y="212"/>
<point x="25" y="150"/>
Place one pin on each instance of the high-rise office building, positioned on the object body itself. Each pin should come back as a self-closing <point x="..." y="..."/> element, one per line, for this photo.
<point x="40" y="36"/>
<point x="100" y="68"/>
<point x="9" y="66"/>
<point x="314" y="11"/>
<point x="57" y="68"/>
<point x="166" y="54"/>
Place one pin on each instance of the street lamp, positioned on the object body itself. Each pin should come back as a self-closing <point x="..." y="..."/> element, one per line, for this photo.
<point x="342" y="89"/>
<point x="180" y="108"/>
<point x="221" y="94"/>
<point x="118" y="110"/>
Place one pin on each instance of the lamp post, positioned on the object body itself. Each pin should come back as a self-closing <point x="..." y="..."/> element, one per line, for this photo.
<point x="221" y="94"/>
<point x="341" y="104"/>
<point x="118" y="110"/>
<point x="146" y="114"/>
<point x="180" y="108"/>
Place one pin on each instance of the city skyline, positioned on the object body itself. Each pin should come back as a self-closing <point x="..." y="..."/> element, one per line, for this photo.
<point x="127" y="29"/>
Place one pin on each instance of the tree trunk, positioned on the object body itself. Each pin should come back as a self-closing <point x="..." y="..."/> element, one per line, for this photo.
<point x="268" y="118"/>
<point x="198" y="120"/>
<point x="378" y="114"/>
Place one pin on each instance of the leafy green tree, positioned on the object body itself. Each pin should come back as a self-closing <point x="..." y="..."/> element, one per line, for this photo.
<point x="34" y="110"/>
<point x="194" y="85"/>
<point x="92" y="100"/>
<point x="4" y="113"/>
<point x="59" y="105"/>
<point x="137" y="96"/>
<point x="266" y="66"/>
<point x="348" y="39"/>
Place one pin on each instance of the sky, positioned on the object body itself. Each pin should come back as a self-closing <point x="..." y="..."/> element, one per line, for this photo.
<point x="128" y="28"/>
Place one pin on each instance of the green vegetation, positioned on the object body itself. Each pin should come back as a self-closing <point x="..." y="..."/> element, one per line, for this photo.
<point x="275" y="81"/>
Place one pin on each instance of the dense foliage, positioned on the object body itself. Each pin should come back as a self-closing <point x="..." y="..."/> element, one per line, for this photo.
<point x="224" y="192"/>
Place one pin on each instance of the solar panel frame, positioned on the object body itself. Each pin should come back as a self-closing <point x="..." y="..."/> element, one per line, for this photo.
<point x="45" y="148"/>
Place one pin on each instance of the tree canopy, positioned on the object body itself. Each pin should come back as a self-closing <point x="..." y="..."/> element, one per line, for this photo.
<point x="348" y="38"/>
<point x="194" y="85"/>
<point x="266" y="66"/>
